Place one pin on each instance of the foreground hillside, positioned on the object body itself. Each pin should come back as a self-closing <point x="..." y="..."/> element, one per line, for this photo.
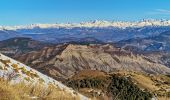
<point x="22" y="91"/>
<point x="29" y="82"/>
<point x="64" y="60"/>
<point x="123" y="85"/>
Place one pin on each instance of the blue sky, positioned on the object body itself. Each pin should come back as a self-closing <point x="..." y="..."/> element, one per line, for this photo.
<point x="21" y="12"/>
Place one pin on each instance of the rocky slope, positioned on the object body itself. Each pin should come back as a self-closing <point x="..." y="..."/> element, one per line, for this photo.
<point x="17" y="72"/>
<point x="63" y="61"/>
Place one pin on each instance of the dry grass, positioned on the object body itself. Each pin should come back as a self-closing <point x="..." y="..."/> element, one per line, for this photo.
<point x="156" y="84"/>
<point x="32" y="92"/>
<point x="145" y="82"/>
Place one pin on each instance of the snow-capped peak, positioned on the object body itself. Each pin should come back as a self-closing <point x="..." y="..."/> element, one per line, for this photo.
<point x="96" y="23"/>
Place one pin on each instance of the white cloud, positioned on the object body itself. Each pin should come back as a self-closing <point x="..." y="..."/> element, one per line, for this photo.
<point x="165" y="11"/>
<point x="160" y="12"/>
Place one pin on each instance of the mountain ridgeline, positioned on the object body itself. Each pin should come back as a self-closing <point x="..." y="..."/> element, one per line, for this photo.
<point x="64" y="60"/>
<point x="104" y="31"/>
<point x="101" y="60"/>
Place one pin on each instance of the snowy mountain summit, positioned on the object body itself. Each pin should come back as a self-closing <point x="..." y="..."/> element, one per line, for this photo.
<point x="96" y="23"/>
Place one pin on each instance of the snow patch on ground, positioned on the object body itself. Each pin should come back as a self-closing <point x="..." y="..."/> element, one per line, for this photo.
<point x="25" y="73"/>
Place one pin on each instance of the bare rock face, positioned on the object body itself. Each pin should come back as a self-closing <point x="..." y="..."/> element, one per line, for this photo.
<point x="85" y="57"/>
<point x="64" y="61"/>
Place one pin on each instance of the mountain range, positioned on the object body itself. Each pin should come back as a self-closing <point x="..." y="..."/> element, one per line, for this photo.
<point x="103" y="60"/>
<point x="105" y="31"/>
<point x="96" y="23"/>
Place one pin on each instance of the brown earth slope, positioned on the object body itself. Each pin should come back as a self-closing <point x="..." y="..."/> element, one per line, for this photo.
<point x="65" y="60"/>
